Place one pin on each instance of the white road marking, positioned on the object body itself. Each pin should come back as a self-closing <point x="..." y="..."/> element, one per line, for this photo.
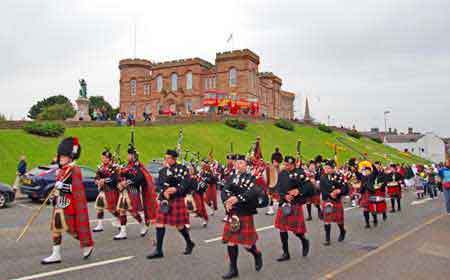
<point x="261" y="229"/>
<point x="74" y="268"/>
<point x="26" y="206"/>
<point x="421" y="201"/>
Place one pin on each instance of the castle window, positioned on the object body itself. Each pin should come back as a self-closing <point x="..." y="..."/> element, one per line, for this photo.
<point x="232" y="77"/>
<point x="214" y="82"/>
<point x="174" y="81"/>
<point x="189" y="106"/>
<point x="206" y="83"/>
<point x="133" y="87"/>
<point x="159" y="83"/>
<point x="189" y="80"/>
<point x="146" y="89"/>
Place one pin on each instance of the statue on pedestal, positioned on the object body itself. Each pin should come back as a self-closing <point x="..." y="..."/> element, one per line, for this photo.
<point x="82" y="103"/>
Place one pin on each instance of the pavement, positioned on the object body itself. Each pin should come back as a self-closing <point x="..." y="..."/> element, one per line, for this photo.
<point x="412" y="244"/>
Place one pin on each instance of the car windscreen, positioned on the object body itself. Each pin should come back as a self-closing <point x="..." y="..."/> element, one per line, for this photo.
<point x="41" y="170"/>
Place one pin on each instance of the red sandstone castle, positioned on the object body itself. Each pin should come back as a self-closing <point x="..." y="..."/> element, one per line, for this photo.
<point x="233" y="85"/>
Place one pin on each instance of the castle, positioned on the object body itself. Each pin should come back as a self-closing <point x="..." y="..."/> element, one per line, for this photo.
<point x="189" y="85"/>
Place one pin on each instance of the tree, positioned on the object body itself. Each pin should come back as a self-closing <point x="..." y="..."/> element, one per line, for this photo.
<point x="39" y="107"/>
<point x="2" y="117"/>
<point x="99" y="102"/>
<point x="57" y="112"/>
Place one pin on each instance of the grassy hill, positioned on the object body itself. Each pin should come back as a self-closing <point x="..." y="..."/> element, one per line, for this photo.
<point x="152" y="141"/>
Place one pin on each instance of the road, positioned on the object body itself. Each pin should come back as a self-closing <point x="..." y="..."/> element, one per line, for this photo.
<point x="412" y="244"/>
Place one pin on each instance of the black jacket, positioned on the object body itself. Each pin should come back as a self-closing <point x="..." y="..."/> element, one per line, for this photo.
<point x="329" y="183"/>
<point x="176" y="176"/>
<point x="295" y="179"/>
<point x="368" y="183"/>
<point x="243" y="187"/>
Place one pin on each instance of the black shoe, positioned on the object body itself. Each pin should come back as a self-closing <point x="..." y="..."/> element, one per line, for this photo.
<point x="155" y="255"/>
<point x="233" y="273"/>
<point x="342" y="236"/>
<point x="284" y="257"/>
<point x="375" y="224"/>
<point x="392" y="211"/>
<point x="258" y="261"/>
<point x="305" y="246"/>
<point x="399" y="209"/>
<point x="367" y="226"/>
<point x="384" y="217"/>
<point x="327" y="243"/>
<point x="189" y="248"/>
<point x="309" y="219"/>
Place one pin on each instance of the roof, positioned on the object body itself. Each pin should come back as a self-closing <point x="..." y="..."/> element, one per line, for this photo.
<point x="403" y="138"/>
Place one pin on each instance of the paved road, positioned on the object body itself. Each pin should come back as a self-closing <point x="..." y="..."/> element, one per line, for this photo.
<point x="413" y="244"/>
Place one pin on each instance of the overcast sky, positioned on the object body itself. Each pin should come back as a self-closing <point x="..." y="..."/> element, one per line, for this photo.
<point x="354" y="59"/>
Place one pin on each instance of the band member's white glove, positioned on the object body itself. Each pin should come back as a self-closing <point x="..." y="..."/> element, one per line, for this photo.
<point x="67" y="188"/>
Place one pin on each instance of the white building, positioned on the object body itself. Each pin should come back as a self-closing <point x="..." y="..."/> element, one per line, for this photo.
<point x="428" y="146"/>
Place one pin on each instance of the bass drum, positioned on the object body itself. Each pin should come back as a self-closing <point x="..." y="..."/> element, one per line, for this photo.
<point x="272" y="176"/>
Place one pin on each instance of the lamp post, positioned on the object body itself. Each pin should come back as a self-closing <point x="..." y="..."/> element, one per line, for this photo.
<point x="387" y="112"/>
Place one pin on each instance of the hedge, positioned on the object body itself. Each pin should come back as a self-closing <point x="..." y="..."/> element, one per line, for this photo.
<point x="377" y="140"/>
<point x="236" y="123"/>
<point x="284" y="124"/>
<point x="47" y="129"/>
<point x="325" y="128"/>
<point x="354" y="134"/>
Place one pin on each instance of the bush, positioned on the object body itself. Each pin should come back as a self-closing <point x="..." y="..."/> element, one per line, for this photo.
<point x="2" y="117"/>
<point x="325" y="128"/>
<point x="48" y="129"/>
<point x="377" y="140"/>
<point x="354" y="134"/>
<point x="57" y="112"/>
<point x="39" y="107"/>
<point x="236" y="123"/>
<point x="284" y="124"/>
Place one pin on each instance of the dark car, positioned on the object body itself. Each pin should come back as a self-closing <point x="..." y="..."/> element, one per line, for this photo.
<point x="153" y="167"/>
<point x="38" y="182"/>
<point x="7" y="195"/>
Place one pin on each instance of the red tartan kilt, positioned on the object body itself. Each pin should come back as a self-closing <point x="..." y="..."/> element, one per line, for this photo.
<point x="112" y="197"/>
<point x="245" y="236"/>
<point x="364" y="201"/>
<point x="81" y="233"/>
<point x="211" y="196"/>
<point x="136" y="201"/>
<point x="200" y="206"/>
<point x="71" y="224"/>
<point x="178" y="215"/>
<point x="337" y="216"/>
<point x="315" y="199"/>
<point x="394" y="191"/>
<point x="294" y="222"/>
<point x="377" y="207"/>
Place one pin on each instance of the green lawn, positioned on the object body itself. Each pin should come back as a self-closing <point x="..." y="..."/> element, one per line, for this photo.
<point x="152" y="141"/>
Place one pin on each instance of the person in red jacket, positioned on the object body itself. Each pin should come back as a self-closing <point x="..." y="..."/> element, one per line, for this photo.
<point x="70" y="211"/>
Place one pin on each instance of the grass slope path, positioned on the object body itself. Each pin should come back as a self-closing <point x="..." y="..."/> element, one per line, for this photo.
<point x="152" y="141"/>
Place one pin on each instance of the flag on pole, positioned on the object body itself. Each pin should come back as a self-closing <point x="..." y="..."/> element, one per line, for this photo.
<point x="230" y="38"/>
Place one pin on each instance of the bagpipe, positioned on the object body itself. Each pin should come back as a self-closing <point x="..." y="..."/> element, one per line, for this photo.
<point x="231" y="219"/>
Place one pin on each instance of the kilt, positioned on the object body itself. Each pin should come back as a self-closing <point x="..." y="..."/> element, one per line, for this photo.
<point x="394" y="191"/>
<point x="200" y="206"/>
<point x="294" y="222"/>
<point x="211" y="196"/>
<point x="112" y="197"/>
<point x="245" y="236"/>
<point x="364" y="201"/>
<point x="337" y="216"/>
<point x="136" y="201"/>
<point x="315" y="199"/>
<point x="378" y="206"/>
<point x="177" y="216"/>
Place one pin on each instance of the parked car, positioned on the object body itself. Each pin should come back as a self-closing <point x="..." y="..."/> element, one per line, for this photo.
<point x="153" y="167"/>
<point x="7" y="195"/>
<point x="38" y="182"/>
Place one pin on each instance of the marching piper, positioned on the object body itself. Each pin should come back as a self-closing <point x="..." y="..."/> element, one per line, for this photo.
<point x="332" y="188"/>
<point x="137" y="194"/>
<point x="239" y="194"/>
<point x="106" y="179"/>
<point x="372" y="196"/>
<point x="198" y="189"/>
<point x="70" y="211"/>
<point x="314" y="178"/>
<point x="293" y="187"/>
<point x="277" y="159"/>
<point x="172" y="208"/>
<point x="208" y="177"/>
<point x="393" y="182"/>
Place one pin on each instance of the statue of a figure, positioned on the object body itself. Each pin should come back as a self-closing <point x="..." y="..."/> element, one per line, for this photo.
<point x="83" y="89"/>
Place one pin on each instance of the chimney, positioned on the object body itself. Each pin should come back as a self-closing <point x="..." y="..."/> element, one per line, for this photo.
<point x="410" y="130"/>
<point x="395" y="131"/>
<point x="390" y="130"/>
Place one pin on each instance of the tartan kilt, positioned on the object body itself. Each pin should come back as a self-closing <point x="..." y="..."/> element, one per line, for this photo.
<point x="136" y="202"/>
<point x="364" y="201"/>
<point x="211" y="196"/>
<point x="200" y="206"/>
<point x="245" y="236"/>
<point x="394" y="191"/>
<point x="112" y="197"/>
<point x="177" y="216"/>
<point x="377" y="207"/>
<point x="315" y="199"/>
<point x="294" y="222"/>
<point x="337" y="216"/>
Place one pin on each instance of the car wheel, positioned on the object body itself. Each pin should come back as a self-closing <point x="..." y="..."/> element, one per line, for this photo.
<point x="2" y="200"/>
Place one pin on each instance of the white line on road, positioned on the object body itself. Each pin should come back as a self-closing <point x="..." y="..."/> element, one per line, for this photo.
<point x="261" y="228"/>
<point x="75" y="268"/>
<point x="26" y="206"/>
<point x="421" y="201"/>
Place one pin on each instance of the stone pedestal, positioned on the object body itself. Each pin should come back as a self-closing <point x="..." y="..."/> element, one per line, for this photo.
<point x="82" y="109"/>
